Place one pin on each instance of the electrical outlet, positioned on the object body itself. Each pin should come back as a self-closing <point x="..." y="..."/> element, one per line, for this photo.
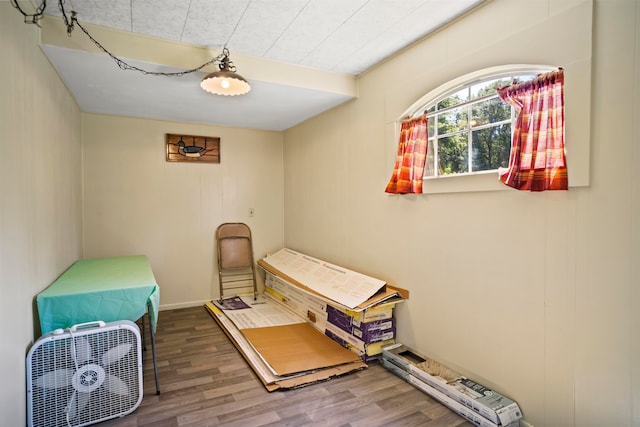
<point x="252" y="212"/>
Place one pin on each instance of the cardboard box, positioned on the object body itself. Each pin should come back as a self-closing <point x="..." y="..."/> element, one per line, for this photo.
<point x="381" y="311"/>
<point x="292" y="297"/>
<point x="301" y="301"/>
<point x="374" y="336"/>
<point x="301" y="265"/>
<point x="368" y="332"/>
<point x="491" y="405"/>
<point x="296" y="280"/>
<point x="455" y="406"/>
<point x="295" y="299"/>
<point x="304" y="304"/>
<point x="363" y="332"/>
<point x="356" y="343"/>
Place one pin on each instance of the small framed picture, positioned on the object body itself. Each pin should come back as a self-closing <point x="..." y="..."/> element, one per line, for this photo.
<point x="192" y="148"/>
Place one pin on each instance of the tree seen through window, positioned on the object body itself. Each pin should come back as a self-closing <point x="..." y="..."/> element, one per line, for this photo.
<point x="470" y="129"/>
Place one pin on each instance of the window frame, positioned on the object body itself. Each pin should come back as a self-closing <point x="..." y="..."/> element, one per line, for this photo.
<point x="447" y="89"/>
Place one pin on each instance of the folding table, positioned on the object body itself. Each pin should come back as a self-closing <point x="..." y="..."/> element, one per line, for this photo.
<point x="107" y="289"/>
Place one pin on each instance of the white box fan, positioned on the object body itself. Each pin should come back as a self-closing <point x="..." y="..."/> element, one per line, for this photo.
<point x="84" y="375"/>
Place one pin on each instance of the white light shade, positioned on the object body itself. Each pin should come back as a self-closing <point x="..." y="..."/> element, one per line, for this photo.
<point x="225" y="83"/>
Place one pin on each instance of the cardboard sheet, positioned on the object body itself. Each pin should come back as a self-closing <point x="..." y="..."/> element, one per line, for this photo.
<point x="270" y="381"/>
<point x="297" y="348"/>
<point x="262" y="312"/>
<point x="337" y="283"/>
<point x="387" y="293"/>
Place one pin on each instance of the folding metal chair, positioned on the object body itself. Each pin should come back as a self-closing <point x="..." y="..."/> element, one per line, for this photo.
<point x="236" y="269"/>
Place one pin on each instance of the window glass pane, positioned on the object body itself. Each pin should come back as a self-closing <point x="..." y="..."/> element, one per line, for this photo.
<point x="491" y="147"/>
<point x="429" y="167"/>
<point x="431" y="126"/>
<point x="460" y="96"/>
<point x="487" y="88"/>
<point x="453" y="154"/>
<point x="492" y="110"/>
<point x="452" y="121"/>
<point x="524" y="78"/>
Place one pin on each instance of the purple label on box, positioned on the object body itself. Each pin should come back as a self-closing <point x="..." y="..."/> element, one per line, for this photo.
<point x="340" y="319"/>
<point x="368" y="332"/>
<point x="374" y="335"/>
<point x="346" y="323"/>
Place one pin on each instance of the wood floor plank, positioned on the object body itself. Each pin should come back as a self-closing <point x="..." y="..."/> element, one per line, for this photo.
<point x="204" y="381"/>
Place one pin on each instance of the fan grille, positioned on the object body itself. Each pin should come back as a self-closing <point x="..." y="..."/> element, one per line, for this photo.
<point x="68" y="400"/>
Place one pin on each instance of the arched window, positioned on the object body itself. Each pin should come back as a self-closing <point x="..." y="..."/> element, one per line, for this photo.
<point x="469" y="126"/>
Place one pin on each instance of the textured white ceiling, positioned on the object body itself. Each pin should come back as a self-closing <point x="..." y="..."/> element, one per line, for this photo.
<point x="343" y="36"/>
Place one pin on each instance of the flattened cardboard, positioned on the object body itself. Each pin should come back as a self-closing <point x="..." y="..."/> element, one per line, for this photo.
<point x="387" y="293"/>
<point x="290" y="349"/>
<point x="335" y="282"/>
<point x="273" y="382"/>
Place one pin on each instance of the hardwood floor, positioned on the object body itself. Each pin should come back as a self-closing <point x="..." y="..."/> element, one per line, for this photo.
<point x="204" y="381"/>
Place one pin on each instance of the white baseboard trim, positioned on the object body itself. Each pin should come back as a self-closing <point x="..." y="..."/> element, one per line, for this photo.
<point x="523" y="423"/>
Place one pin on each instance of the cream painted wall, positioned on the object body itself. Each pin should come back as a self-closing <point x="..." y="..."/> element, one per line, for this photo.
<point x="562" y="338"/>
<point x="137" y="203"/>
<point x="40" y="196"/>
<point x="549" y="318"/>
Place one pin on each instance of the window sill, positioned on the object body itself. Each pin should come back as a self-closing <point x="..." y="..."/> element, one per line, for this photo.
<point x="481" y="181"/>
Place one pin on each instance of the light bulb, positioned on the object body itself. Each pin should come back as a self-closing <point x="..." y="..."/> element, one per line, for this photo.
<point x="225" y="83"/>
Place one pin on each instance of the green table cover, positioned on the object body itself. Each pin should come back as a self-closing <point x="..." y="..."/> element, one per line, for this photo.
<point x="106" y="289"/>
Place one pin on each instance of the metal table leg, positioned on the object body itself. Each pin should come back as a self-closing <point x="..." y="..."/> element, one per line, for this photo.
<point x="153" y="348"/>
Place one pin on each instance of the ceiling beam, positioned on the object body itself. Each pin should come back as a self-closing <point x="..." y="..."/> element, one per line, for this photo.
<point x="127" y="45"/>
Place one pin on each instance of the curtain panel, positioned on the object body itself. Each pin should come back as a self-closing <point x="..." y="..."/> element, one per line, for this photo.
<point x="537" y="160"/>
<point x="410" y="160"/>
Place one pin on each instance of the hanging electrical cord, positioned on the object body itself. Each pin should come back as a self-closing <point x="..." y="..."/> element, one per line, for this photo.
<point x="71" y="22"/>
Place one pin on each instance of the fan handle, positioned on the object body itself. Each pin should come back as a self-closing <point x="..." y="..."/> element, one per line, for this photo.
<point x="88" y="325"/>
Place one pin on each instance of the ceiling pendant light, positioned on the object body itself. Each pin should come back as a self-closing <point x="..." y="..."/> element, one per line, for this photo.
<point x="226" y="81"/>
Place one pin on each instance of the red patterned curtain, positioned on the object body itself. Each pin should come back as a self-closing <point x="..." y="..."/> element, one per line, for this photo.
<point x="537" y="160"/>
<point x="410" y="160"/>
